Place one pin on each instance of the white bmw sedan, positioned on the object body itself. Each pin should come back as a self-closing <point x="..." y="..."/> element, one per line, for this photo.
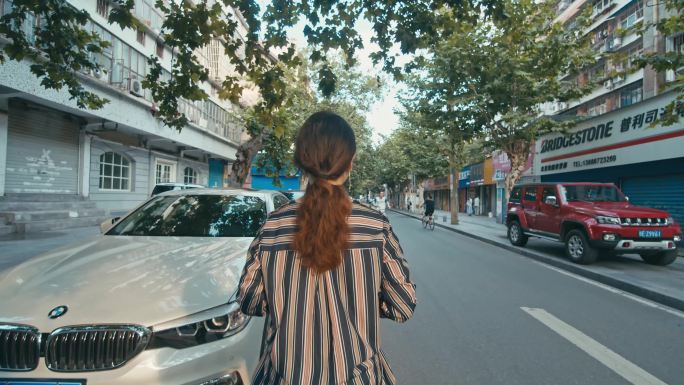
<point x="152" y="301"/>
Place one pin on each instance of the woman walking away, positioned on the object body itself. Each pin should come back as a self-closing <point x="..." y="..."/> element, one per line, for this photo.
<point x="325" y="270"/>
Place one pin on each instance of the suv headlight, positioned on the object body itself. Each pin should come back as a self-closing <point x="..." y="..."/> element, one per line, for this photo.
<point x="201" y="328"/>
<point x="608" y="220"/>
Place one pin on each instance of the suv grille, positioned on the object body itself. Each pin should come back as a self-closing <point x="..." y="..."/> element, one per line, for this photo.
<point x="644" y="221"/>
<point x="90" y="348"/>
<point x="19" y="348"/>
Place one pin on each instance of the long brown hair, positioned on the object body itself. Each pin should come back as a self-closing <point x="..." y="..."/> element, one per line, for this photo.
<point x="324" y="150"/>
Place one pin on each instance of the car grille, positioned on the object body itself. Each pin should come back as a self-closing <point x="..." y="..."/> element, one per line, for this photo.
<point x="644" y="221"/>
<point x="91" y="348"/>
<point x="19" y="348"/>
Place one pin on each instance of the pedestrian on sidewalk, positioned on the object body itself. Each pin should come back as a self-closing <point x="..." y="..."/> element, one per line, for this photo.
<point x="469" y="206"/>
<point x="381" y="203"/>
<point x="476" y="205"/>
<point x="301" y="259"/>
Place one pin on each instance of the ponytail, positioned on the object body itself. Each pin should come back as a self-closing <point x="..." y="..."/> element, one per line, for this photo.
<point x="324" y="150"/>
<point x="323" y="232"/>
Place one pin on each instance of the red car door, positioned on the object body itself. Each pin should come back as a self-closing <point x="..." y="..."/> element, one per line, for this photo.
<point x="548" y="217"/>
<point x="530" y="206"/>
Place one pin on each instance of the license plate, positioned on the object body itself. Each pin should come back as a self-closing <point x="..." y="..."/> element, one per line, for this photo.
<point x="649" y="234"/>
<point x="9" y="381"/>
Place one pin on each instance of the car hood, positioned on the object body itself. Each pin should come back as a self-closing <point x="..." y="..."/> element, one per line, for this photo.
<point x="124" y="280"/>
<point x="618" y="209"/>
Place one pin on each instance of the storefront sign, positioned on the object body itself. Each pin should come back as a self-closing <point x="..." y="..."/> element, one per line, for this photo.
<point x="502" y="165"/>
<point x="477" y="174"/>
<point x="464" y="177"/>
<point x="621" y="137"/>
<point x="433" y="184"/>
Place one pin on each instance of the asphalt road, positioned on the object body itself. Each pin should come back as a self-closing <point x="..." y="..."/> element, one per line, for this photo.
<point x="489" y="316"/>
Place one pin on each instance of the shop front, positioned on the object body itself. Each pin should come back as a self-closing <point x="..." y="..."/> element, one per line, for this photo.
<point x="463" y="186"/>
<point x="482" y="188"/>
<point x="627" y="147"/>
<point x="441" y="192"/>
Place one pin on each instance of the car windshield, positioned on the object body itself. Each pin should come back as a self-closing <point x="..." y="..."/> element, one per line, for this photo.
<point x="590" y="193"/>
<point x="195" y="216"/>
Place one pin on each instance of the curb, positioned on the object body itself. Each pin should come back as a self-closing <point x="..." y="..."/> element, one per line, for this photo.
<point x="628" y="287"/>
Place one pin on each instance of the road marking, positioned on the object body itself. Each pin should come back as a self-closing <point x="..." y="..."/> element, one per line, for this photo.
<point x="613" y="290"/>
<point x="604" y="355"/>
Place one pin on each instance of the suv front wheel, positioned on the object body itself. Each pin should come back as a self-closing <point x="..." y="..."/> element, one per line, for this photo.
<point x="662" y="258"/>
<point x="516" y="235"/>
<point x="578" y="249"/>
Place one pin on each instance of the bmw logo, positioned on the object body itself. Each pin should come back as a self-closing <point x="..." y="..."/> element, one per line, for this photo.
<point x="58" y="312"/>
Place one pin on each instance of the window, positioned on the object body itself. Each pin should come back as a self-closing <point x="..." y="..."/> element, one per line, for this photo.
<point x="597" y="107"/>
<point x="160" y="49"/>
<point x="531" y="194"/>
<point x="165" y="173"/>
<point x="141" y="37"/>
<point x="632" y="16"/>
<point x="630" y="95"/>
<point x="103" y="7"/>
<point x="279" y="201"/>
<point x="515" y="194"/>
<point x="115" y="172"/>
<point x="549" y="192"/>
<point x="189" y="176"/>
<point x="633" y="54"/>
<point x="600" y="5"/>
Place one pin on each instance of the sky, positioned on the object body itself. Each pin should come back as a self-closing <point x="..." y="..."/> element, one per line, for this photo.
<point x="381" y="117"/>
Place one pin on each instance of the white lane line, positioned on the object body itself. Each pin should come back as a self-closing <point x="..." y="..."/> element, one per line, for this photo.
<point x="604" y="355"/>
<point x="611" y="289"/>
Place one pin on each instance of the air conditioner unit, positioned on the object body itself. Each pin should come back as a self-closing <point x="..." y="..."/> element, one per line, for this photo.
<point x="617" y="42"/>
<point x="670" y="76"/>
<point x="136" y="87"/>
<point x="98" y="73"/>
<point x="608" y="84"/>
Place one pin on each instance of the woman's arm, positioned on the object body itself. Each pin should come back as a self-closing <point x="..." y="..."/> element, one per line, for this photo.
<point x="398" y="293"/>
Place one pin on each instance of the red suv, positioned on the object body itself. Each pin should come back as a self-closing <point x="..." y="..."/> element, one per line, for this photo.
<point x="590" y="218"/>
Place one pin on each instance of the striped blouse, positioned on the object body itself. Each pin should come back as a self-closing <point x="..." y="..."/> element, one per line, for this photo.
<point x="324" y="329"/>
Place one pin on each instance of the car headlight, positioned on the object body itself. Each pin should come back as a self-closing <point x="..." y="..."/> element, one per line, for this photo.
<point x="608" y="220"/>
<point x="208" y="326"/>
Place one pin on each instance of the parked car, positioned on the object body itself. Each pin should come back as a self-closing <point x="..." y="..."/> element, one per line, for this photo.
<point x="591" y="218"/>
<point x="293" y="195"/>
<point x="164" y="187"/>
<point x="152" y="301"/>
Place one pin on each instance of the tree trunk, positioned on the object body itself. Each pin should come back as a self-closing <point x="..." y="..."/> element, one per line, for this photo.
<point x="243" y="160"/>
<point x="454" y="195"/>
<point x="517" y="154"/>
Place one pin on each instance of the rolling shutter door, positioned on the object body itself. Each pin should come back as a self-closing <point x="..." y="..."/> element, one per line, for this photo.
<point x="42" y="151"/>
<point x="661" y="192"/>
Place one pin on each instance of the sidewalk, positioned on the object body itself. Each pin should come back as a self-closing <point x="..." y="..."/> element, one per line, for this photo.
<point x="628" y="272"/>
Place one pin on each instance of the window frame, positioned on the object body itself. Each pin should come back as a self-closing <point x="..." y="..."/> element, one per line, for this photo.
<point x="525" y="194"/>
<point x="172" y="171"/>
<point x="194" y="175"/>
<point x="128" y="166"/>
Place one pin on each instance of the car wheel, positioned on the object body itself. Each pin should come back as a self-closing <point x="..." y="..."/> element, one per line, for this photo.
<point x="578" y="249"/>
<point x="662" y="258"/>
<point x="516" y="235"/>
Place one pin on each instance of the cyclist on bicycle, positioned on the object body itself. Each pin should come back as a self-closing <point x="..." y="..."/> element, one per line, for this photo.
<point x="429" y="206"/>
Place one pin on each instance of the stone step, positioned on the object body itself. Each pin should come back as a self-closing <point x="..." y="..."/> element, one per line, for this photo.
<point x="6" y="206"/>
<point x="7" y="229"/>
<point x="51" y="225"/>
<point x="42" y="198"/>
<point x="13" y="217"/>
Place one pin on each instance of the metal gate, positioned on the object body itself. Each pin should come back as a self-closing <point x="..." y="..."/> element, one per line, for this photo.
<point x="658" y="192"/>
<point x="42" y="151"/>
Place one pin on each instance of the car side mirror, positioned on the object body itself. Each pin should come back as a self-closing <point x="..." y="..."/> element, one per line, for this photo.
<point x="551" y="201"/>
<point x="108" y="224"/>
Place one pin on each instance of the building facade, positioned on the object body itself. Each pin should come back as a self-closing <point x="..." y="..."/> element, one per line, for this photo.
<point x="115" y="155"/>
<point x="620" y="139"/>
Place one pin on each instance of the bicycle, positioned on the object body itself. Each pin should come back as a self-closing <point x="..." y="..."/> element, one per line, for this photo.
<point x="428" y="221"/>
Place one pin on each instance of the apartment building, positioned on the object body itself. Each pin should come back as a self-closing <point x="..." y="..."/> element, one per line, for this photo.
<point x="619" y="139"/>
<point x="111" y="158"/>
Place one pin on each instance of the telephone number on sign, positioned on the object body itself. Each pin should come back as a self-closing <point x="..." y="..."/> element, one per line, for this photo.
<point x="593" y="161"/>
